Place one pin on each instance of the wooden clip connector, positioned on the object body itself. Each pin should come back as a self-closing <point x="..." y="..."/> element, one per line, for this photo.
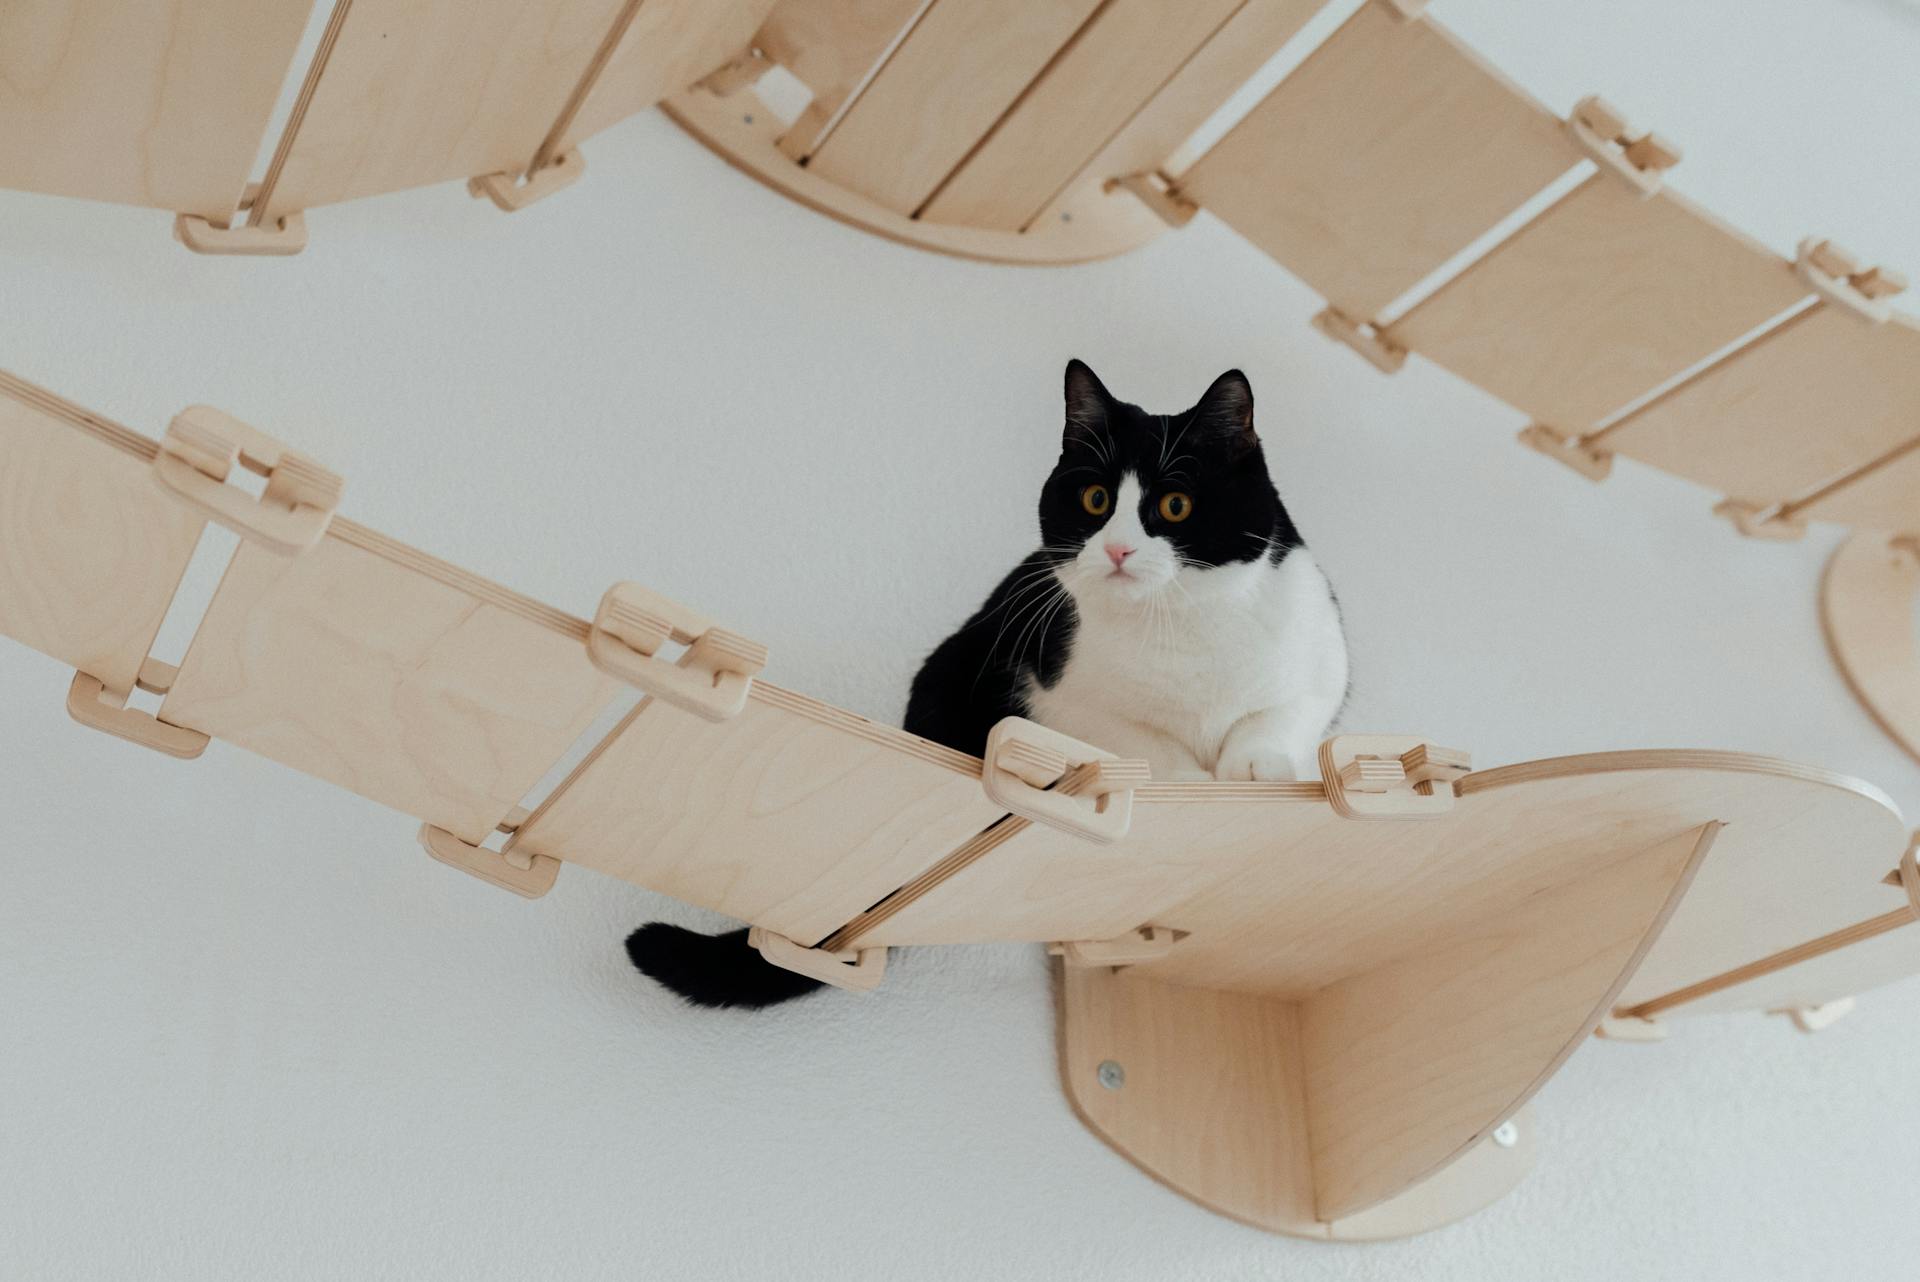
<point x="198" y="453"/>
<point x="1630" y="1028"/>
<point x="1049" y="778"/>
<point x="736" y="74"/>
<point x="1638" y="157"/>
<point x="1384" y="356"/>
<point x="1761" y="520"/>
<point x="286" y="235"/>
<point x="529" y="876"/>
<point x="1375" y="776"/>
<point x="1590" y="462"/>
<point x="858" y="970"/>
<point x="711" y="679"/>
<point x="93" y="705"/>
<point x="1839" y="278"/>
<point x="509" y="192"/>
<point x="1147" y="943"/>
<point x="1158" y="195"/>
<point x="1811" y="1019"/>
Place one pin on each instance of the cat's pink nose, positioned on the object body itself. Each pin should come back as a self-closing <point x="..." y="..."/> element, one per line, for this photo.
<point x="1118" y="554"/>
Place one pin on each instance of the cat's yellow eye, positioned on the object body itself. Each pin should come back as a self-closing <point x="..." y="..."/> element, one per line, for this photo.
<point x="1175" y="507"/>
<point x="1096" y="499"/>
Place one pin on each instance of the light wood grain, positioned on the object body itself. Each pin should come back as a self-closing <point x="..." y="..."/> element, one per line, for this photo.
<point x="369" y="665"/>
<point x="1818" y="396"/>
<point x="1597" y="301"/>
<point x="792" y="815"/>
<point x="139" y="102"/>
<point x="1867" y="599"/>
<point x="1213" y="1101"/>
<point x="1112" y="67"/>
<point x="91" y="550"/>
<point x="1476" y="1180"/>
<point x="1098" y="226"/>
<point x="1412" y="1063"/>
<point x="422" y="91"/>
<point x="963" y="65"/>
<point x="1389" y="150"/>
<point x="1203" y="84"/>
<point x="669" y="45"/>
<point x="1881" y="495"/>
<point x="830" y="46"/>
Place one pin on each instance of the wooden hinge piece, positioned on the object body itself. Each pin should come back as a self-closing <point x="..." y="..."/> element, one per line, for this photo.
<point x="527" y="875"/>
<point x="858" y="970"/>
<point x="712" y="677"/>
<point x="93" y="705"/>
<point x="239" y="235"/>
<point x="1378" y="350"/>
<point x="1838" y="277"/>
<point x="510" y="191"/>
<point x="1373" y="776"/>
<point x="201" y="447"/>
<point x="1639" y="158"/>
<point x="1052" y="779"/>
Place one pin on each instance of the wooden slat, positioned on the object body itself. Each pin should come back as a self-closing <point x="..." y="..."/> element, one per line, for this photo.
<point x="1117" y="62"/>
<point x="960" y="69"/>
<point x="1819" y="396"/>
<point x="422" y="91"/>
<point x="139" y="102"/>
<point x="830" y="46"/>
<point x="91" y="550"/>
<point x="1388" y="151"/>
<point x="793" y="815"/>
<point x="1598" y="301"/>
<point x="1187" y="101"/>
<point x="370" y="665"/>
<point x="1411" y="1064"/>
<point x="670" y="44"/>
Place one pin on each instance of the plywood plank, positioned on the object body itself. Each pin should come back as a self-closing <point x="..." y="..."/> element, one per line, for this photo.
<point x="141" y="103"/>
<point x="954" y="75"/>
<point x="1599" y="300"/>
<point x="1867" y="600"/>
<point x="1389" y="150"/>
<point x="1412" y="1063"/>
<point x="830" y="46"/>
<point x="1883" y="496"/>
<point x="422" y="91"/>
<point x="1117" y="62"/>
<point x="1822" y="394"/>
<point x="91" y="550"/>
<point x="792" y="815"/>
<point x="669" y="45"/>
<point x="370" y="665"/>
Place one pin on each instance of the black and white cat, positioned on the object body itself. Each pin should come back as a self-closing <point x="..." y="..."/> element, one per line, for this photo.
<point x="1172" y="612"/>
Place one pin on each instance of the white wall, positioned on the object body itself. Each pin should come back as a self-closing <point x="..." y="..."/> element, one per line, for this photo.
<point x="248" y="1030"/>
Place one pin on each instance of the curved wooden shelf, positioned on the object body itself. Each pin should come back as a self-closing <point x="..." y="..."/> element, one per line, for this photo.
<point x="1867" y="599"/>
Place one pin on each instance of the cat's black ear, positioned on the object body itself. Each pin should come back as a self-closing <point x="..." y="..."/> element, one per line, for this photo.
<point x="1087" y="402"/>
<point x="1228" y="408"/>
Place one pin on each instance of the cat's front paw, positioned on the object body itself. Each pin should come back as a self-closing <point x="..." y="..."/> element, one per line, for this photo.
<point x="1255" y="764"/>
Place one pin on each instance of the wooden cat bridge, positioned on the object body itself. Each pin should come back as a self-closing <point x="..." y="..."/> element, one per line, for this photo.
<point x="1436" y="206"/>
<point x="1318" y="1007"/>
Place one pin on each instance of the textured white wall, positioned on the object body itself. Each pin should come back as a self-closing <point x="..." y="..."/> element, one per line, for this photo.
<point x="248" y="1030"/>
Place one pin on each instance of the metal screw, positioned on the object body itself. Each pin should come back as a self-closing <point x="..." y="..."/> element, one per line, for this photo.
<point x="1111" y="1075"/>
<point x="748" y="119"/>
<point x="1066" y="216"/>
<point x="1506" y="1135"/>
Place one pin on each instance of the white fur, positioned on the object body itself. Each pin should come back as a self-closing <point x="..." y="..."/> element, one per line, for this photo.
<point x="1231" y="672"/>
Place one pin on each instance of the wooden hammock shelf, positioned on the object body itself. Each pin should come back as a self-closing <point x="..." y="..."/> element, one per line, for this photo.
<point x="1319" y="1007"/>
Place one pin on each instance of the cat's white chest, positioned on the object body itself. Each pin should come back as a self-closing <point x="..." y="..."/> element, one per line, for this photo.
<point x="1170" y="680"/>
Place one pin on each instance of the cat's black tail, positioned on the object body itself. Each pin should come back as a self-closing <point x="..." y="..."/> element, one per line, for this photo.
<point x="713" y="970"/>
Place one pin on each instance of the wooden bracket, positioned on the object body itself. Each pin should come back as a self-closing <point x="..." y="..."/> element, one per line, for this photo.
<point x="1838" y="277"/>
<point x="1378" y="776"/>
<point x="91" y="704"/>
<point x="1761" y="521"/>
<point x="509" y="192"/>
<point x="1811" y="1019"/>
<point x="238" y="236"/>
<point x="1158" y="194"/>
<point x="711" y="679"/>
<point x="736" y="73"/>
<point x="1049" y="778"/>
<point x="1639" y="158"/>
<point x="529" y="876"/>
<point x="198" y="453"/>
<point x="1382" y="354"/>
<point x="1630" y="1028"/>
<point x="1589" y="461"/>
<point x="1142" y="944"/>
<point x="858" y="970"/>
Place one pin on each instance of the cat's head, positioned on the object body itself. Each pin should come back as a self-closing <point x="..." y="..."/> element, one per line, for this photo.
<point x="1143" y="504"/>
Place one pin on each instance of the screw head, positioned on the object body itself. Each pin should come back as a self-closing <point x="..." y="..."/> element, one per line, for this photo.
<point x="1506" y="1135"/>
<point x="1111" y="1075"/>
